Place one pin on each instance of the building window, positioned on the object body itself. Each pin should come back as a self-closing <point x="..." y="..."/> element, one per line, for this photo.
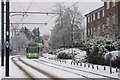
<point x="103" y="27"/>
<point x="88" y="19"/>
<point x="91" y="31"/>
<point x="88" y="32"/>
<point x="108" y="5"/>
<point x="113" y="3"/>
<point x="108" y="21"/>
<point x="93" y="16"/>
<point x="94" y="30"/>
<point x="113" y="19"/>
<point x="98" y="15"/>
<point x="98" y="29"/>
<point x="103" y="13"/>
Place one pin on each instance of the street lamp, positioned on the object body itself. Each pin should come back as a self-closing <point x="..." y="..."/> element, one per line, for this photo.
<point x="2" y="33"/>
<point x="110" y="57"/>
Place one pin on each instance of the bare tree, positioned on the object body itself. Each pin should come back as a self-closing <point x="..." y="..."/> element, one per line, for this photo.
<point x="68" y="27"/>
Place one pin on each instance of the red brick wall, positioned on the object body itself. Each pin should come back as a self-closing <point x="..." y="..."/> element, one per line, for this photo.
<point x="108" y="13"/>
<point x="94" y="23"/>
<point x="119" y="18"/>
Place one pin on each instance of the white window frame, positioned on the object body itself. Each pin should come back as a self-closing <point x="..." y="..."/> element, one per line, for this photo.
<point x="103" y="27"/>
<point x="98" y="28"/>
<point x="113" y="3"/>
<point x="94" y="30"/>
<point x="103" y="13"/>
<point x="113" y="19"/>
<point x="91" y="31"/>
<point x="108" y="19"/>
<point x="88" y="32"/>
<point x="108" y="5"/>
<point x="98" y="15"/>
<point x="88" y="19"/>
<point x="93" y="16"/>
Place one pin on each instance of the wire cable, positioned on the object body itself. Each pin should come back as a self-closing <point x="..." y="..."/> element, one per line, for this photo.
<point x="23" y="17"/>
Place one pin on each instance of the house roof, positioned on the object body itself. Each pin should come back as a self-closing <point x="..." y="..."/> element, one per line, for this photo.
<point x="94" y="11"/>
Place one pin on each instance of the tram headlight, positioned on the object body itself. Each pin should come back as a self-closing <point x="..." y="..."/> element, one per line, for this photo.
<point x="29" y="54"/>
<point x="36" y="54"/>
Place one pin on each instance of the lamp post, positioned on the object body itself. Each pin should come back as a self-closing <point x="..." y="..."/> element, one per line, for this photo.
<point x="110" y="57"/>
<point x="7" y="38"/>
<point x="2" y="33"/>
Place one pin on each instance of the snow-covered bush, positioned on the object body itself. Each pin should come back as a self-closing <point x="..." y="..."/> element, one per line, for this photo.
<point x="114" y="54"/>
<point x="69" y="51"/>
<point x="81" y="57"/>
<point x="97" y="47"/>
<point x="77" y="54"/>
<point x="115" y="58"/>
<point x="64" y="56"/>
<point x="57" y="50"/>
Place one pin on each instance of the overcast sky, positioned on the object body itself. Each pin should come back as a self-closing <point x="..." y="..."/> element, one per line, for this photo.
<point x="85" y="6"/>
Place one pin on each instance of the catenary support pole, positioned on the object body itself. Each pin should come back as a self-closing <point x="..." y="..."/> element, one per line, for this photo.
<point x="2" y="32"/>
<point x="7" y="38"/>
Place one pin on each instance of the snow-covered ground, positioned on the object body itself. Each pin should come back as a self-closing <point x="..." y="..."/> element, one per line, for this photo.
<point x="57" y="68"/>
<point x="14" y="71"/>
<point x="57" y="72"/>
<point x="99" y="71"/>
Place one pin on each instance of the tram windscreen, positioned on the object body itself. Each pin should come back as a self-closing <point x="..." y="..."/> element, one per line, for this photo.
<point x="32" y="49"/>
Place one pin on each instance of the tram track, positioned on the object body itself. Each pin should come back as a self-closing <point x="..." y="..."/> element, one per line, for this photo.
<point x="49" y="75"/>
<point x="66" y="71"/>
<point x="88" y="78"/>
<point x="76" y="69"/>
<point x="29" y="75"/>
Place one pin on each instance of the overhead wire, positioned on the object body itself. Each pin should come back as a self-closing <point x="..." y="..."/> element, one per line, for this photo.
<point x="23" y="17"/>
<point x="46" y="9"/>
<point x="49" y="7"/>
<point x="64" y="9"/>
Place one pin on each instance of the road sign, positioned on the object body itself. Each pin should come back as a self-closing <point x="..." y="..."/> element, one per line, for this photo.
<point x="7" y="44"/>
<point x="109" y="56"/>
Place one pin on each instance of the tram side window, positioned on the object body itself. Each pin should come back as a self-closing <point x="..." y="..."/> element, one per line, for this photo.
<point x="27" y="50"/>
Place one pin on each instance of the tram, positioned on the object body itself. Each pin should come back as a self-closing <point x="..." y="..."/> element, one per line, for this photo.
<point x="32" y="50"/>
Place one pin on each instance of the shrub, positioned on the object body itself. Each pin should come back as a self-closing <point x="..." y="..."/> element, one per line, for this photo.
<point x="116" y="62"/>
<point x="97" y="47"/>
<point x="64" y="56"/>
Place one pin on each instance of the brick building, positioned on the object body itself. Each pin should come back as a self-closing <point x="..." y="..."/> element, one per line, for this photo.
<point x="46" y="45"/>
<point x="104" y="21"/>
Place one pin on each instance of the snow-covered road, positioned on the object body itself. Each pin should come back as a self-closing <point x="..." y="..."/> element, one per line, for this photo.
<point x="15" y="72"/>
<point x="52" y="68"/>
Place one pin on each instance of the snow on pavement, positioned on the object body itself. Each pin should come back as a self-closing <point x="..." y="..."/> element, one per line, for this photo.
<point x="60" y="73"/>
<point x="89" y="75"/>
<point x="14" y="71"/>
<point x="100" y="71"/>
<point x="51" y="70"/>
